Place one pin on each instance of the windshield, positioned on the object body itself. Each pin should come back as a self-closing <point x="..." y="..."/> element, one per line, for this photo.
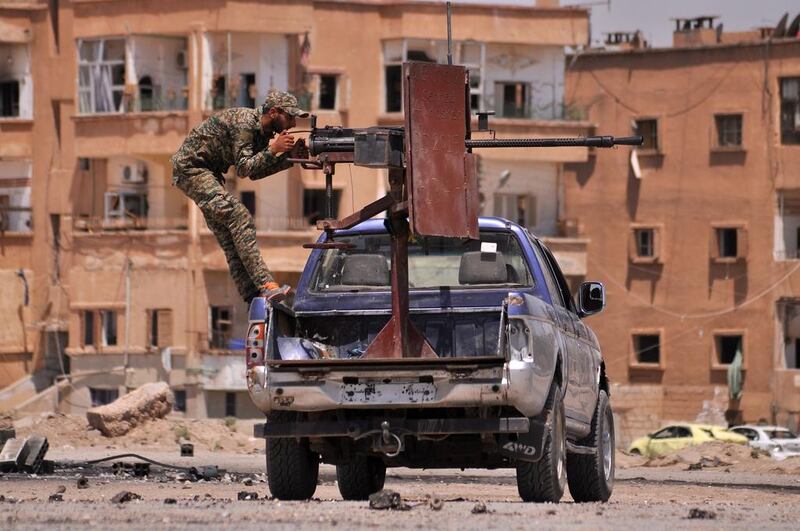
<point x="780" y="434"/>
<point x="495" y="260"/>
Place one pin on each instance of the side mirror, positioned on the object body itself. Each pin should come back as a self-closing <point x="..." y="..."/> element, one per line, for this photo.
<point x="591" y="298"/>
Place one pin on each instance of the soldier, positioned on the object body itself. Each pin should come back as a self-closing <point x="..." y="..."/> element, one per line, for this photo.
<point x="239" y="137"/>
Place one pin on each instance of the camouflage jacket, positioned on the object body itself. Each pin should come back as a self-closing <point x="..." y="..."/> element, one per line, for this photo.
<point x="232" y="137"/>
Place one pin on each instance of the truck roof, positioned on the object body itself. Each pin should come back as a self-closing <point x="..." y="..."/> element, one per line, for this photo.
<point x="376" y="225"/>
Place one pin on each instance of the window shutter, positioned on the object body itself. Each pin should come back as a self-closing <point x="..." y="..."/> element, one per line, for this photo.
<point x="741" y="242"/>
<point x="633" y="251"/>
<point x="164" y="328"/>
<point x="149" y="329"/>
<point x="656" y="244"/>
<point x="713" y="244"/>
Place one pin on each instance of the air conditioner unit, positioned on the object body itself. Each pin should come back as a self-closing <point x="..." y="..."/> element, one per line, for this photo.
<point x="180" y="60"/>
<point x="134" y="173"/>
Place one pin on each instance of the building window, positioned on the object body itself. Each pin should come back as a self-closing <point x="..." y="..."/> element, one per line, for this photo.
<point x="221" y="318"/>
<point x="101" y="397"/>
<point x="99" y="327"/>
<point x="328" y="92"/>
<point x="396" y="52"/>
<point x="125" y="207"/>
<point x="512" y="99"/>
<point x="518" y="208"/>
<point x="9" y="99"/>
<point x="645" y="242"/>
<point x="230" y="404"/>
<point x="248" y="199"/>
<point x="649" y="131"/>
<point x="726" y="346"/>
<point x="314" y="204"/>
<point x="108" y="328"/>
<point x="790" y="110"/>
<point x="159" y="328"/>
<point x="729" y="130"/>
<point x="180" y="400"/>
<point x="15" y="196"/>
<point x="87" y="322"/>
<point x="728" y="243"/>
<point x="101" y="75"/>
<point x="647" y="349"/>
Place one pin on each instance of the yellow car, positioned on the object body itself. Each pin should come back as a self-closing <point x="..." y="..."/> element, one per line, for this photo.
<point x="676" y="436"/>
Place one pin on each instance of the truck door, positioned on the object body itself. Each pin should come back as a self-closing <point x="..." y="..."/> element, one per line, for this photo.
<point x="584" y="364"/>
<point x="565" y="324"/>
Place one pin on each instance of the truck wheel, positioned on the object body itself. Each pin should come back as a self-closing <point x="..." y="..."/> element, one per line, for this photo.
<point x="292" y="468"/>
<point x="591" y="477"/>
<point x="545" y="480"/>
<point x="360" y="477"/>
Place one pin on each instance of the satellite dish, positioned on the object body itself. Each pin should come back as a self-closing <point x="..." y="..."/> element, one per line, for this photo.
<point x="719" y="32"/>
<point x="780" y="29"/>
<point x="794" y="27"/>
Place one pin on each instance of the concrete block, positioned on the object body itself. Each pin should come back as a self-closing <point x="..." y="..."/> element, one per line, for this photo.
<point x="150" y="401"/>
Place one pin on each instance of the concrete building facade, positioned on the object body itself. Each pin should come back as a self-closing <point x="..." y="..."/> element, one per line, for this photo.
<point x="109" y="276"/>
<point x="695" y="233"/>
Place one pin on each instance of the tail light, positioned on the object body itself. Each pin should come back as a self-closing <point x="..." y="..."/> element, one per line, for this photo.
<point x="255" y="346"/>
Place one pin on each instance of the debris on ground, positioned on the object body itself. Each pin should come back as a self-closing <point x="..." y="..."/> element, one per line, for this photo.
<point x="125" y="496"/>
<point x="701" y="514"/>
<point x="246" y="496"/>
<point x="170" y="501"/>
<point x="479" y="508"/>
<point x="708" y="462"/>
<point x="435" y="503"/>
<point x="150" y="401"/>
<point x="82" y="482"/>
<point x="387" y="499"/>
<point x="56" y="497"/>
<point x="25" y="455"/>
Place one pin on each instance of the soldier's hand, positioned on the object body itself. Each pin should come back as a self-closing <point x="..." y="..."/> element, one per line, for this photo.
<point x="282" y="143"/>
<point x="299" y="150"/>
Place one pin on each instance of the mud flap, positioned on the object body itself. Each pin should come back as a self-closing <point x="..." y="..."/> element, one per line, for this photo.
<point x="524" y="446"/>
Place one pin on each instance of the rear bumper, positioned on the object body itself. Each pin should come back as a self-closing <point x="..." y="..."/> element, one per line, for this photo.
<point x="396" y="384"/>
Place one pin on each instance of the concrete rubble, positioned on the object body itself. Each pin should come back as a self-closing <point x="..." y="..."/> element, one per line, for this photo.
<point x="150" y="401"/>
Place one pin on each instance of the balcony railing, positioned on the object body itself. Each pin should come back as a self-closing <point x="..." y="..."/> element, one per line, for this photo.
<point x="565" y="112"/>
<point x="101" y="224"/>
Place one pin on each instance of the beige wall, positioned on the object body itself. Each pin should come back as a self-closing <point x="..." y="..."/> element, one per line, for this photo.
<point x="685" y="189"/>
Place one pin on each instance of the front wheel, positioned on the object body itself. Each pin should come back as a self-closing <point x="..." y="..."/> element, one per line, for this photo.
<point x="292" y="468"/>
<point x="360" y="477"/>
<point x="545" y="480"/>
<point x="591" y="476"/>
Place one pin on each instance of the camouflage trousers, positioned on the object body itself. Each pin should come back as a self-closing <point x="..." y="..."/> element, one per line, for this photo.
<point x="233" y="226"/>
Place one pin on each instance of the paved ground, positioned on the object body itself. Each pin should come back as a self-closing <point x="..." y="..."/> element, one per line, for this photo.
<point x="643" y="497"/>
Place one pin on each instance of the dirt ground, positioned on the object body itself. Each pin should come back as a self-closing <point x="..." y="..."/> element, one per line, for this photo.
<point x="730" y="488"/>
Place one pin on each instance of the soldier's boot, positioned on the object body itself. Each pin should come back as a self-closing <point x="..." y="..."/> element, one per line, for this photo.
<point x="273" y="292"/>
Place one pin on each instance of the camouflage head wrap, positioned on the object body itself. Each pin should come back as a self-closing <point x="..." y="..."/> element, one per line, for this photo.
<point x="283" y="100"/>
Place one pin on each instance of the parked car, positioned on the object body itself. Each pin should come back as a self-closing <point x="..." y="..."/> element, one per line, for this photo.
<point x="676" y="436"/>
<point x="515" y="380"/>
<point x="778" y="441"/>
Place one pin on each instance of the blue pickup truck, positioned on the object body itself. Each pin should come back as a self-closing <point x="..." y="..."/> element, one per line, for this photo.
<point x="518" y="380"/>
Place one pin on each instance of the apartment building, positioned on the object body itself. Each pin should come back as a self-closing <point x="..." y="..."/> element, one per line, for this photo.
<point x="114" y="279"/>
<point x="695" y="233"/>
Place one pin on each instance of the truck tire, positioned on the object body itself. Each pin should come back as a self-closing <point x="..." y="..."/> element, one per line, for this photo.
<point x="545" y="480"/>
<point x="360" y="477"/>
<point x="292" y="468"/>
<point x="591" y="477"/>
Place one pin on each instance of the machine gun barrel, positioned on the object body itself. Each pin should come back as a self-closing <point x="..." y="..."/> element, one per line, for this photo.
<point x="588" y="141"/>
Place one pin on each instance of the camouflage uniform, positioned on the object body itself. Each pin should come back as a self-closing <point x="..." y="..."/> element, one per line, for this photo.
<point x="232" y="138"/>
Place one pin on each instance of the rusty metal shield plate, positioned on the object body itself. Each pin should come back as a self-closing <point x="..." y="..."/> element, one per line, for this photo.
<point x="442" y="196"/>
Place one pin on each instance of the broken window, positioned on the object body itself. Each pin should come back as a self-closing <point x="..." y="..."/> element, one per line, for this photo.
<point x="328" y="93"/>
<point x="248" y="199"/>
<point x="99" y="327"/>
<point x="314" y="204"/>
<point x="230" y="404"/>
<point x="789" y="313"/>
<point x="159" y="328"/>
<point x="790" y="110"/>
<point x="396" y="52"/>
<point x="645" y="242"/>
<point x="15" y="196"/>
<point x="512" y="99"/>
<point x="519" y="208"/>
<point x="16" y="81"/>
<point x="726" y="346"/>
<point x="125" y="206"/>
<point x="727" y="242"/>
<point x="648" y="129"/>
<point x="787" y="225"/>
<point x="647" y="348"/>
<point x="101" y="397"/>
<point x="101" y="75"/>
<point x="221" y="323"/>
<point x="180" y="400"/>
<point x="729" y="130"/>
<point x="108" y="328"/>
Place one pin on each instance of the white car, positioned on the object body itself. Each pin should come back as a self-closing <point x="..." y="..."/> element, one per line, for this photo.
<point x="778" y="441"/>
